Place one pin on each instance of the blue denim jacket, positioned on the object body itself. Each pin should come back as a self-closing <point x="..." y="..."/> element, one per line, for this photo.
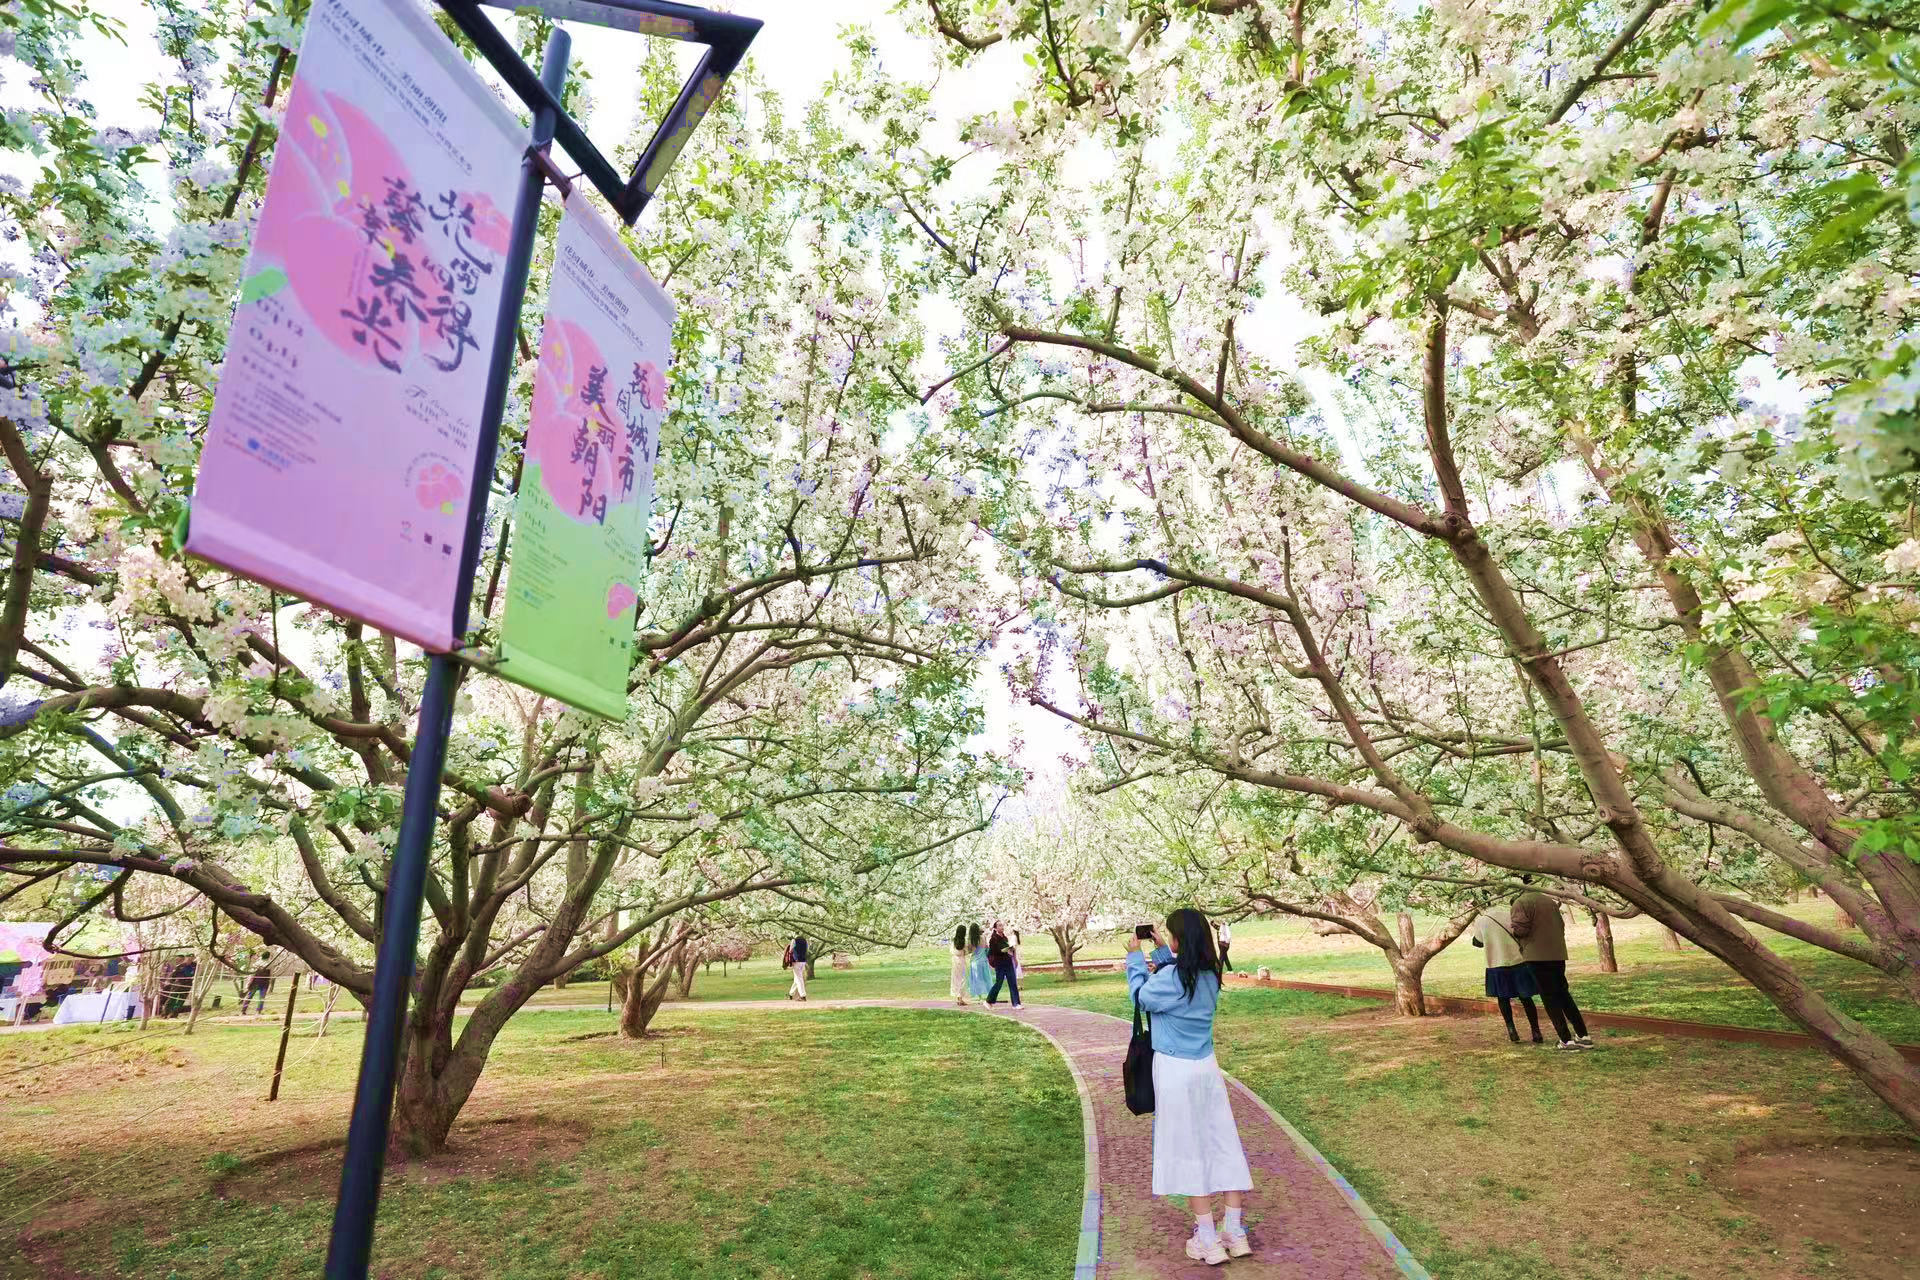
<point x="1182" y="1028"/>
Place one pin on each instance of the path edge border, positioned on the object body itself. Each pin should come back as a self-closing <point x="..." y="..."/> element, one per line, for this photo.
<point x="1086" y="1257"/>
<point x="1402" y="1256"/>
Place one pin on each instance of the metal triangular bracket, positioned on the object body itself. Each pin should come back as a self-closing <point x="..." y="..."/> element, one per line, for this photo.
<point x="726" y="36"/>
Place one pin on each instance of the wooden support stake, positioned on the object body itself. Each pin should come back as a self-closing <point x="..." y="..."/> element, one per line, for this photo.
<point x="286" y="1028"/>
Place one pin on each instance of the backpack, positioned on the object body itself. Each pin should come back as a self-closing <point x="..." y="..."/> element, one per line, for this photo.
<point x="786" y="957"/>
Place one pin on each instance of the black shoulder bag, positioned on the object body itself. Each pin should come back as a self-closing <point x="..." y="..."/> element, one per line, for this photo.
<point x="1137" y="1074"/>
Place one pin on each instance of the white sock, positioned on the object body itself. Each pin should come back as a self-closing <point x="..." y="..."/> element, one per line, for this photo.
<point x="1203" y="1227"/>
<point x="1230" y="1222"/>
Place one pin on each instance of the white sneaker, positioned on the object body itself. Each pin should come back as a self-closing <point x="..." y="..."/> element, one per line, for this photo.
<point x="1236" y="1242"/>
<point x="1212" y="1254"/>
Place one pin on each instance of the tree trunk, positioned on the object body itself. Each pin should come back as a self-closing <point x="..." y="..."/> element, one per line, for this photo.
<point x="812" y="959"/>
<point x="1409" y="997"/>
<point x="197" y="992"/>
<point x="1669" y="940"/>
<point x="1844" y="920"/>
<point x="1603" y="941"/>
<point x="1878" y="1064"/>
<point x="1067" y="944"/>
<point x="643" y="1001"/>
<point x="689" y="965"/>
<point x="428" y="1102"/>
<point x="149" y="990"/>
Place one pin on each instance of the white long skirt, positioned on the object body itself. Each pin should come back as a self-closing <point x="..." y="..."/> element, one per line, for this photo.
<point x="1196" y="1145"/>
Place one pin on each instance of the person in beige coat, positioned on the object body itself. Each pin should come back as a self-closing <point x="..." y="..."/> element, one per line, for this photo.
<point x="1542" y="933"/>
<point x="1508" y="976"/>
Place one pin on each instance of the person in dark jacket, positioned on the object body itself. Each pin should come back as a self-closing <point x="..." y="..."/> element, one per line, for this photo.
<point x="1542" y="934"/>
<point x="1000" y="960"/>
<point x="798" y="991"/>
<point x="258" y="986"/>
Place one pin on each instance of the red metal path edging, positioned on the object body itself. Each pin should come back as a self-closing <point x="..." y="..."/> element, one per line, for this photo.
<point x="1619" y="1021"/>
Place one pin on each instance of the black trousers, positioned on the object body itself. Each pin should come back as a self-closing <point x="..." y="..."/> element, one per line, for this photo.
<point x="1224" y="962"/>
<point x="1004" y="974"/>
<point x="1552" y="977"/>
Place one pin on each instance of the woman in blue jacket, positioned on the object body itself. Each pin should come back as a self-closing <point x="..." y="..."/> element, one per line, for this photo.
<point x="1196" y="1144"/>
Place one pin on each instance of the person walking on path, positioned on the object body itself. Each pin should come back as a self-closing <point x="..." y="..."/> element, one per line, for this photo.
<point x="957" y="971"/>
<point x="258" y="986"/>
<point x="1226" y="943"/>
<point x="1196" y="1144"/>
<point x="1535" y="921"/>
<point x="978" y="976"/>
<point x="1000" y="959"/>
<point x="798" y="991"/>
<point x="1508" y="977"/>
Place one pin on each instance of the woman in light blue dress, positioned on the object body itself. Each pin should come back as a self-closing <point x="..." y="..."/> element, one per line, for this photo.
<point x="979" y="975"/>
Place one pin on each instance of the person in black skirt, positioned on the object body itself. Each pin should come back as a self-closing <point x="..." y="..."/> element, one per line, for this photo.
<point x="1508" y="977"/>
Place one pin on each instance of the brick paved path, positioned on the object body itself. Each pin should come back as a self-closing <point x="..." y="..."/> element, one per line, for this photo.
<point x="1304" y="1221"/>
<point x="1303" y="1224"/>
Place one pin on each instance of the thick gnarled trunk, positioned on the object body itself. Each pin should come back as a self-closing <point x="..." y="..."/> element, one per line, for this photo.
<point x="1409" y="995"/>
<point x="643" y="1000"/>
<point x="1406" y="953"/>
<point x="1068" y="944"/>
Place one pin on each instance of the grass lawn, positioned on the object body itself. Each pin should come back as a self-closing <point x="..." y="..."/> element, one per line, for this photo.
<point x="1651" y="1158"/>
<point x="861" y="1143"/>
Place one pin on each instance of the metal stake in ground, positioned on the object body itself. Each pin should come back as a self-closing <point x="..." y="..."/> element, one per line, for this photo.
<point x="286" y="1029"/>
<point x="366" y="1157"/>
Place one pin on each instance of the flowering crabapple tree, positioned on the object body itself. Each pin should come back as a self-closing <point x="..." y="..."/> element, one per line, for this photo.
<point x="1049" y="864"/>
<point x="1236" y="850"/>
<point x="1543" y="537"/>
<point x="800" y="701"/>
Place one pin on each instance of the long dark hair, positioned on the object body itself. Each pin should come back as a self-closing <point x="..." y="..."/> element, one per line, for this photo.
<point x="1197" y="954"/>
<point x="973" y="935"/>
<point x="960" y="937"/>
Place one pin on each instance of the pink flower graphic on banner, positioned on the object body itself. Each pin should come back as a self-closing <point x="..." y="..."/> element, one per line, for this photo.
<point x="585" y="456"/>
<point x="492" y="229"/>
<point x="653" y="385"/>
<point x="620" y="598"/>
<point x="386" y="271"/>
<point x="438" y="488"/>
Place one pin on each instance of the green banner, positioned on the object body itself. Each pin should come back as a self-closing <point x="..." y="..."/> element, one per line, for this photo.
<point x="580" y="521"/>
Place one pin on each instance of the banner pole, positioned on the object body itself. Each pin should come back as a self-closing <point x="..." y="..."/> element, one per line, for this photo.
<point x="351" y="1243"/>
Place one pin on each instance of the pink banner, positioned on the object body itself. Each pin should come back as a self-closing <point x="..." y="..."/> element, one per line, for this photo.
<point x="340" y="453"/>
